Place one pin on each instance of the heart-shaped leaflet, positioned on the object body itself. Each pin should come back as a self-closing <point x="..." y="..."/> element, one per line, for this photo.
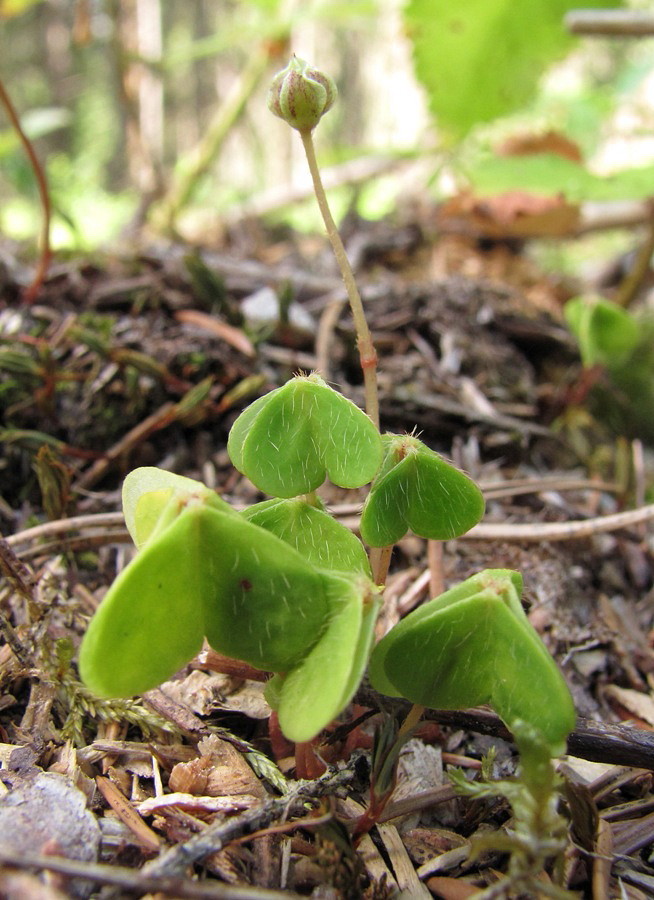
<point x="318" y="537"/>
<point x="150" y="622"/>
<point x="288" y="441"/>
<point x="474" y="645"/>
<point x="313" y="693"/>
<point x="417" y="489"/>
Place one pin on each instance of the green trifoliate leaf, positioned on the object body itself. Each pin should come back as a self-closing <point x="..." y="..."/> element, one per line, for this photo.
<point x="301" y="95"/>
<point x="417" y="489"/>
<point x="294" y="597"/>
<point x="317" y="537"/>
<point x="475" y="645"/>
<point x="607" y="333"/>
<point x="288" y="441"/>
<point x="206" y="572"/>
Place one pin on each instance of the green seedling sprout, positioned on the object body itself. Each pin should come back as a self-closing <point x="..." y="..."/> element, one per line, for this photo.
<point x="214" y="574"/>
<point x="474" y="645"/>
<point x="286" y="588"/>
<point x="416" y="489"/>
<point x="606" y="332"/>
<point x="288" y="441"/>
<point x="536" y="836"/>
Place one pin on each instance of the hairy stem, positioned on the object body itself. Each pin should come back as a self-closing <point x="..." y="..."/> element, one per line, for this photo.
<point x="380" y="559"/>
<point x="435" y="558"/>
<point x="365" y="345"/>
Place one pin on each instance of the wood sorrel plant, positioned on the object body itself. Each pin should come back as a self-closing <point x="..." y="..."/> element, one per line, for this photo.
<point x="285" y="587"/>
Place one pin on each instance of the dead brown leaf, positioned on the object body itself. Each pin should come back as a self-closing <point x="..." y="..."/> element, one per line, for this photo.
<point x="546" y="142"/>
<point x="513" y="214"/>
<point x="451" y="888"/>
<point x="219" y="771"/>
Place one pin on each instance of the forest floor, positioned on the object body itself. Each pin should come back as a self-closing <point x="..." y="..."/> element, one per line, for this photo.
<point x="147" y="360"/>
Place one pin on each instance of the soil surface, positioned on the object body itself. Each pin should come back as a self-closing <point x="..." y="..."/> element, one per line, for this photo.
<point x="191" y="791"/>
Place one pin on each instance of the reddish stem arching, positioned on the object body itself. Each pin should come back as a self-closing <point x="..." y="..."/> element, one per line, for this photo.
<point x="31" y="292"/>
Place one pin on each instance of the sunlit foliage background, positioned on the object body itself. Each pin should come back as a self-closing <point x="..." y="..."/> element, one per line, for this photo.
<point x="152" y="112"/>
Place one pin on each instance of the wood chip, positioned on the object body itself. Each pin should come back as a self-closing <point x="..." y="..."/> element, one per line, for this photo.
<point x="641" y="705"/>
<point x="127" y="814"/>
<point x="198" y="804"/>
<point x="233" y="336"/>
<point x="405" y="873"/>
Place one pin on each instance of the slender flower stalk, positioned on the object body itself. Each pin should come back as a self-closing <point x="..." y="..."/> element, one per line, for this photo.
<point x="301" y="95"/>
<point x="367" y="353"/>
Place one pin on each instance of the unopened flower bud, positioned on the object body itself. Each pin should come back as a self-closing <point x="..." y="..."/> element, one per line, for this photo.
<point x="301" y="95"/>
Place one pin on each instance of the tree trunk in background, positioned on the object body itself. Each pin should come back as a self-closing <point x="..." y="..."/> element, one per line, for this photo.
<point x="143" y="80"/>
<point x="137" y="36"/>
<point x="150" y="85"/>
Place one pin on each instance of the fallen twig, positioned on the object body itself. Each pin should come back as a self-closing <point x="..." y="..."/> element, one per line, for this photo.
<point x="612" y="22"/>
<point x="561" y="531"/>
<point x="541" y="532"/>
<point x="137" y="880"/>
<point x="219" y="834"/>
<point x="621" y="745"/>
<point x="531" y="532"/>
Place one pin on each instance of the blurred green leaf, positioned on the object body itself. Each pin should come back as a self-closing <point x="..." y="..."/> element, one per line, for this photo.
<point x="607" y="334"/>
<point x="548" y="173"/>
<point x="35" y="123"/>
<point x="622" y="344"/>
<point x="482" y="59"/>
